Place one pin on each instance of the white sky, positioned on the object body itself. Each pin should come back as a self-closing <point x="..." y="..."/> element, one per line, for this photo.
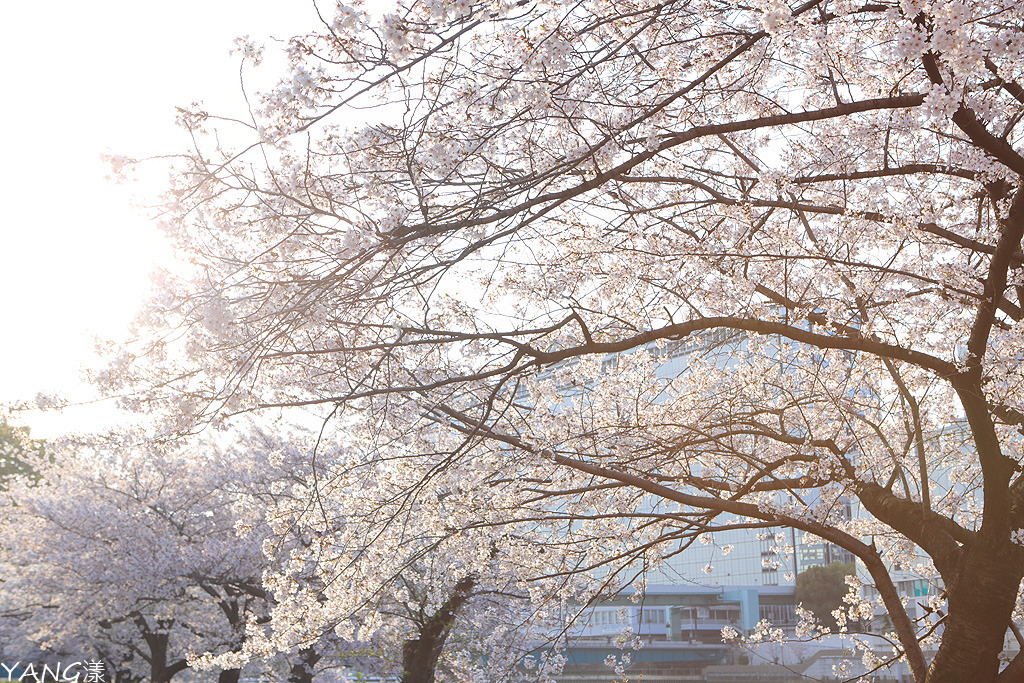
<point x="80" y="79"/>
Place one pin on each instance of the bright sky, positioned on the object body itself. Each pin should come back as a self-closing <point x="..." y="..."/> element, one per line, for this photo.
<point x="81" y="79"/>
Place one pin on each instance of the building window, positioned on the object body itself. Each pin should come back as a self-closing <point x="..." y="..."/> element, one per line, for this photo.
<point x="654" y="615"/>
<point x="778" y="615"/>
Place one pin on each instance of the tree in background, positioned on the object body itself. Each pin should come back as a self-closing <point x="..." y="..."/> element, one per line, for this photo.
<point x="389" y="575"/>
<point x="161" y="560"/>
<point x="821" y="590"/>
<point x="469" y="235"/>
<point x="20" y="455"/>
<point x="131" y="557"/>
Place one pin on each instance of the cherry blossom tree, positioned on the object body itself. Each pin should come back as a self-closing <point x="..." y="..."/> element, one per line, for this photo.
<point x="395" y="584"/>
<point x="132" y="559"/>
<point x="469" y="235"/>
<point x="153" y="557"/>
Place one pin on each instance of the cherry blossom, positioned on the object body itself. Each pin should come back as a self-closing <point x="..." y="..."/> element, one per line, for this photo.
<point x="572" y="284"/>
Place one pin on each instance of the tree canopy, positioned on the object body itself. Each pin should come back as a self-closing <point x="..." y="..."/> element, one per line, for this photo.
<point x="20" y="455"/>
<point x="127" y="553"/>
<point x="467" y="235"/>
<point x="821" y="589"/>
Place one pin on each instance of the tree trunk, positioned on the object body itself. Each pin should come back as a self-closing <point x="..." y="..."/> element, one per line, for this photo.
<point x="229" y="676"/>
<point x="229" y="605"/>
<point x="420" y="656"/>
<point x="302" y="670"/>
<point x="981" y="600"/>
<point x="157" y="657"/>
<point x="160" y="671"/>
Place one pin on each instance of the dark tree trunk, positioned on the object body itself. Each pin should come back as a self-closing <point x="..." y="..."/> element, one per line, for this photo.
<point x="235" y="616"/>
<point x="229" y="676"/>
<point x="160" y="670"/>
<point x="420" y="656"/>
<point x="981" y="599"/>
<point x="302" y="670"/>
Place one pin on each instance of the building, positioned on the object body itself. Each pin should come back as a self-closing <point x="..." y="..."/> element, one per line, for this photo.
<point x="670" y="632"/>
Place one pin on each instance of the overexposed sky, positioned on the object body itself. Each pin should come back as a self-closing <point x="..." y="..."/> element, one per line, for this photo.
<point x="80" y="79"/>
